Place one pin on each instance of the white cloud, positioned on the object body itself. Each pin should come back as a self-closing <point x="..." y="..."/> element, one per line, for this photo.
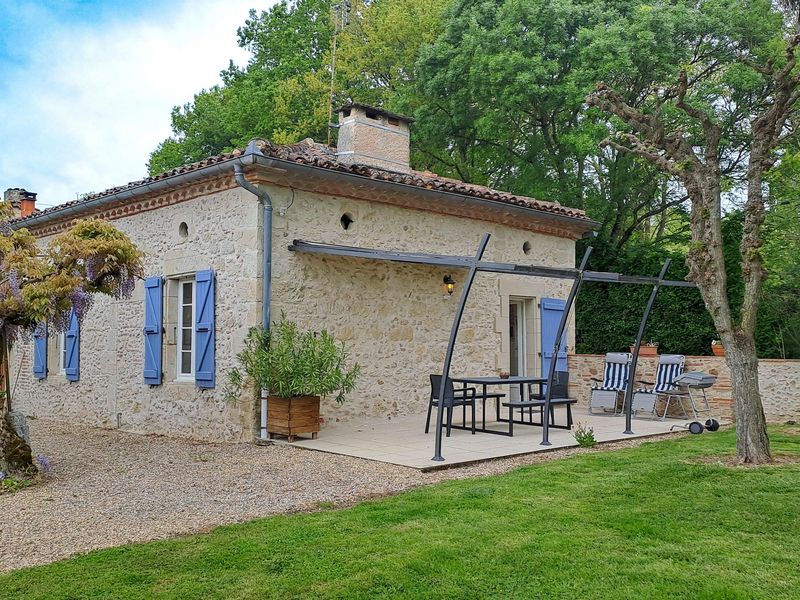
<point x="90" y="103"/>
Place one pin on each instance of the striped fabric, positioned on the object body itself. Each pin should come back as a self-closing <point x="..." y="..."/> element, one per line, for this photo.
<point x="615" y="373"/>
<point x="669" y="367"/>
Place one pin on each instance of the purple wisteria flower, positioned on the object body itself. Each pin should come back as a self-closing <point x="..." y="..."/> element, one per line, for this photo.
<point x="44" y="463"/>
<point x="81" y="302"/>
<point x="14" y="284"/>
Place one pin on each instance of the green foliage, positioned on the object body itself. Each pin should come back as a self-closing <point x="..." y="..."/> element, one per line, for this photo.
<point x="584" y="435"/>
<point x="608" y="315"/>
<point x="284" y="92"/>
<point x="271" y="97"/>
<point x="288" y="363"/>
<point x="9" y="483"/>
<point x="674" y="525"/>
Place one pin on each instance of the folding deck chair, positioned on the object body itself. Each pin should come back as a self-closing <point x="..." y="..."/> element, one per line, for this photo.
<point x="670" y="367"/>
<point x="605" y="391"/>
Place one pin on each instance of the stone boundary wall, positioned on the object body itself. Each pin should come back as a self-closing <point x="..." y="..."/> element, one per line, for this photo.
<point x="779" y="381"/>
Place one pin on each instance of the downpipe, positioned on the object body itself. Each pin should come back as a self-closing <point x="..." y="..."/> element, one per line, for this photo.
<point x="266" y="206"/>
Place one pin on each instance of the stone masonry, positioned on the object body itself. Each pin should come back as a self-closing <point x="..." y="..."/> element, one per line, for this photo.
<point x="394" y="318"/>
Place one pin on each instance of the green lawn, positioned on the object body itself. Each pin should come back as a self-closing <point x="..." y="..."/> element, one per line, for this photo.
<point x="640" y="523"/>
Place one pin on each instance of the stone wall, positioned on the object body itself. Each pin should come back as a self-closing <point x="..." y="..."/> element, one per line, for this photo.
<point x="395" y="318"/>
<point x="222" y="234"/>
<point x="779" y="381"/>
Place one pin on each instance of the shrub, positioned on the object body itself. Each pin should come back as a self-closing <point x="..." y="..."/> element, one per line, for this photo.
<point x="584" y="435"/>
<point x="290" y="363"/>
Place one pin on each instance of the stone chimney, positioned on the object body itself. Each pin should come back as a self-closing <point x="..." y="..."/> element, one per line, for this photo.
<point x="23" y="201"/>
<point x="373" y="136"/>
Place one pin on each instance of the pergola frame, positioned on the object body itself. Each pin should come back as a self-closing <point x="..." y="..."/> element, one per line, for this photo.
<point x="476" y="264"/>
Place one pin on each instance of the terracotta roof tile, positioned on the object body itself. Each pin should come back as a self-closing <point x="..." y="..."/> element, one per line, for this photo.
<point x="314" y="154"/>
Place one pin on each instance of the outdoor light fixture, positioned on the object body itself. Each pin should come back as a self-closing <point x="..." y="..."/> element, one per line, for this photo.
<point x="449" y="284"/>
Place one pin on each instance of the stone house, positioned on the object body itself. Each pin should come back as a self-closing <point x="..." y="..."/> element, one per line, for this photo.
<point x="157" y="363"/>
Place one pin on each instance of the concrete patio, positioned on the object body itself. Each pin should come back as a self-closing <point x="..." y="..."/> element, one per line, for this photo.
<point x="402" y="441"/>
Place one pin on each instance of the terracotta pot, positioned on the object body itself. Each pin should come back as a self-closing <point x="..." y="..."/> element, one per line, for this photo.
<point x="646" y="350"/>
<point x="718" y="349"/>
<point x="292" y="416"/>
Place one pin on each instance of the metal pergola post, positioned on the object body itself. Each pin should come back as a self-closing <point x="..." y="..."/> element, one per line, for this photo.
<point x="628" y="403"/>
<point x="448" y="357"/>
<point x="562" y="326"/>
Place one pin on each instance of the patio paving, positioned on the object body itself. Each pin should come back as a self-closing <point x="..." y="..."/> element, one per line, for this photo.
<point x="402" y="441"/>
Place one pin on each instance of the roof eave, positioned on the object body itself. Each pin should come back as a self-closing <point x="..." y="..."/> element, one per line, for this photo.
<point x="582" y="224"/>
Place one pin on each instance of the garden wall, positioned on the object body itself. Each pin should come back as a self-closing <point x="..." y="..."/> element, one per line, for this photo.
<point x="779" y="381"/>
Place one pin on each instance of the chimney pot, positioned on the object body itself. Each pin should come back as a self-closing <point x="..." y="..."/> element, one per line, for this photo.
<point x="373" y="136"/>
<point x="23" y="201"/>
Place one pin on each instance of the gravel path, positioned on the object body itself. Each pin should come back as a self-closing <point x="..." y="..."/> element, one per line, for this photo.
<point x="109" y="488"/>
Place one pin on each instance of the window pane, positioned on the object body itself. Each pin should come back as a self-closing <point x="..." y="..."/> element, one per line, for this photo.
<point x="186" y="339"/>
<point x="187" y="293"/>
<point x="186" y="362"/>
<point x="186" y="317"/>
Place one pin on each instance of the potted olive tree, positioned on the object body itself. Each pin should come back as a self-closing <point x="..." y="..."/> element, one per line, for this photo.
<point x="297" y="368"/>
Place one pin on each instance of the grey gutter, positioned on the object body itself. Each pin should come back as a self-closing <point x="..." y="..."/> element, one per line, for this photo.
<point x="266" y="204"/>
<point x="266" y="256"/>
<point x="254" y="156"/>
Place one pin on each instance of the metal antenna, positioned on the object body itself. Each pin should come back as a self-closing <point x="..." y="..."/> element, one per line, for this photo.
<point x="341" y="19"/>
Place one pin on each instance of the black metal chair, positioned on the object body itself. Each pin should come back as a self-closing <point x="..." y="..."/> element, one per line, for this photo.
<point x="462" y="397"/>
<point x="559" y="396"/>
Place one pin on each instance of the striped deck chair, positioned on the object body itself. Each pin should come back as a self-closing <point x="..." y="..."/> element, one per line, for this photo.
<point x="644" y="400"/>
<point x="605" y="391"/>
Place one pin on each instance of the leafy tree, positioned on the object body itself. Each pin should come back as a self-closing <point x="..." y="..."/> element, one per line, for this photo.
<point x="284" y="92"/>
<point x="267" y="98"/>
<point x="43" y="285"/>
<point x="718" y="124"/>
<point x="503" y="91"/>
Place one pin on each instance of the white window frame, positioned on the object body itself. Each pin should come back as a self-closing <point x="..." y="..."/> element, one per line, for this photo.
<point x="180" y="327"/>
<point x="62" y="353"/>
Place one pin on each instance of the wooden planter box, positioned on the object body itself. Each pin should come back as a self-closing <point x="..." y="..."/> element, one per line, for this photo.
<point x="292" y="416"/>
<point x="646" y="350"/>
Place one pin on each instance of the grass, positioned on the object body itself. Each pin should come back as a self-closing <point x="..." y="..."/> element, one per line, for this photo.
<point x="648" y="522"/>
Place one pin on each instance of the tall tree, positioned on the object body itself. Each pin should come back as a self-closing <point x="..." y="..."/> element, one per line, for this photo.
<point x="719" y="125"/>
<point x="269" y="97"/>
<point x="40" y="286"/>
<point x="503" y="91"/>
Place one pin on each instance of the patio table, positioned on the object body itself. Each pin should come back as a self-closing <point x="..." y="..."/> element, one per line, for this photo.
<point x="484" y="382"/>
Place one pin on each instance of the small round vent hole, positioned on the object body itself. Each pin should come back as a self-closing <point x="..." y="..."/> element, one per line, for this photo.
<point x="346" y="220"/>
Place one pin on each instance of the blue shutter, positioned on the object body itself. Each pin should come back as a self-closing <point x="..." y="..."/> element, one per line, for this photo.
<point x="153" y="329"/>
<point x="40" y="351"/>
<point x="204" y="366"/>
<point x="73" y="346"/>
<point x="551" y="311"/>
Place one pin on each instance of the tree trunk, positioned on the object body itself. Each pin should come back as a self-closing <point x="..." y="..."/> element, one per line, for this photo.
<point x="15" y="453"/>
<point x="752" y="443"/>
<point x="707" y="269"/>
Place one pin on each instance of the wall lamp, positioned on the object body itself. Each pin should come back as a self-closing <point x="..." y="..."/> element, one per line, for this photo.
<point x="449" y="284"/>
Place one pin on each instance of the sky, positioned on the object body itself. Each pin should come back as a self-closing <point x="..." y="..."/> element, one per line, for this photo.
<point x="87" y="86"/>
